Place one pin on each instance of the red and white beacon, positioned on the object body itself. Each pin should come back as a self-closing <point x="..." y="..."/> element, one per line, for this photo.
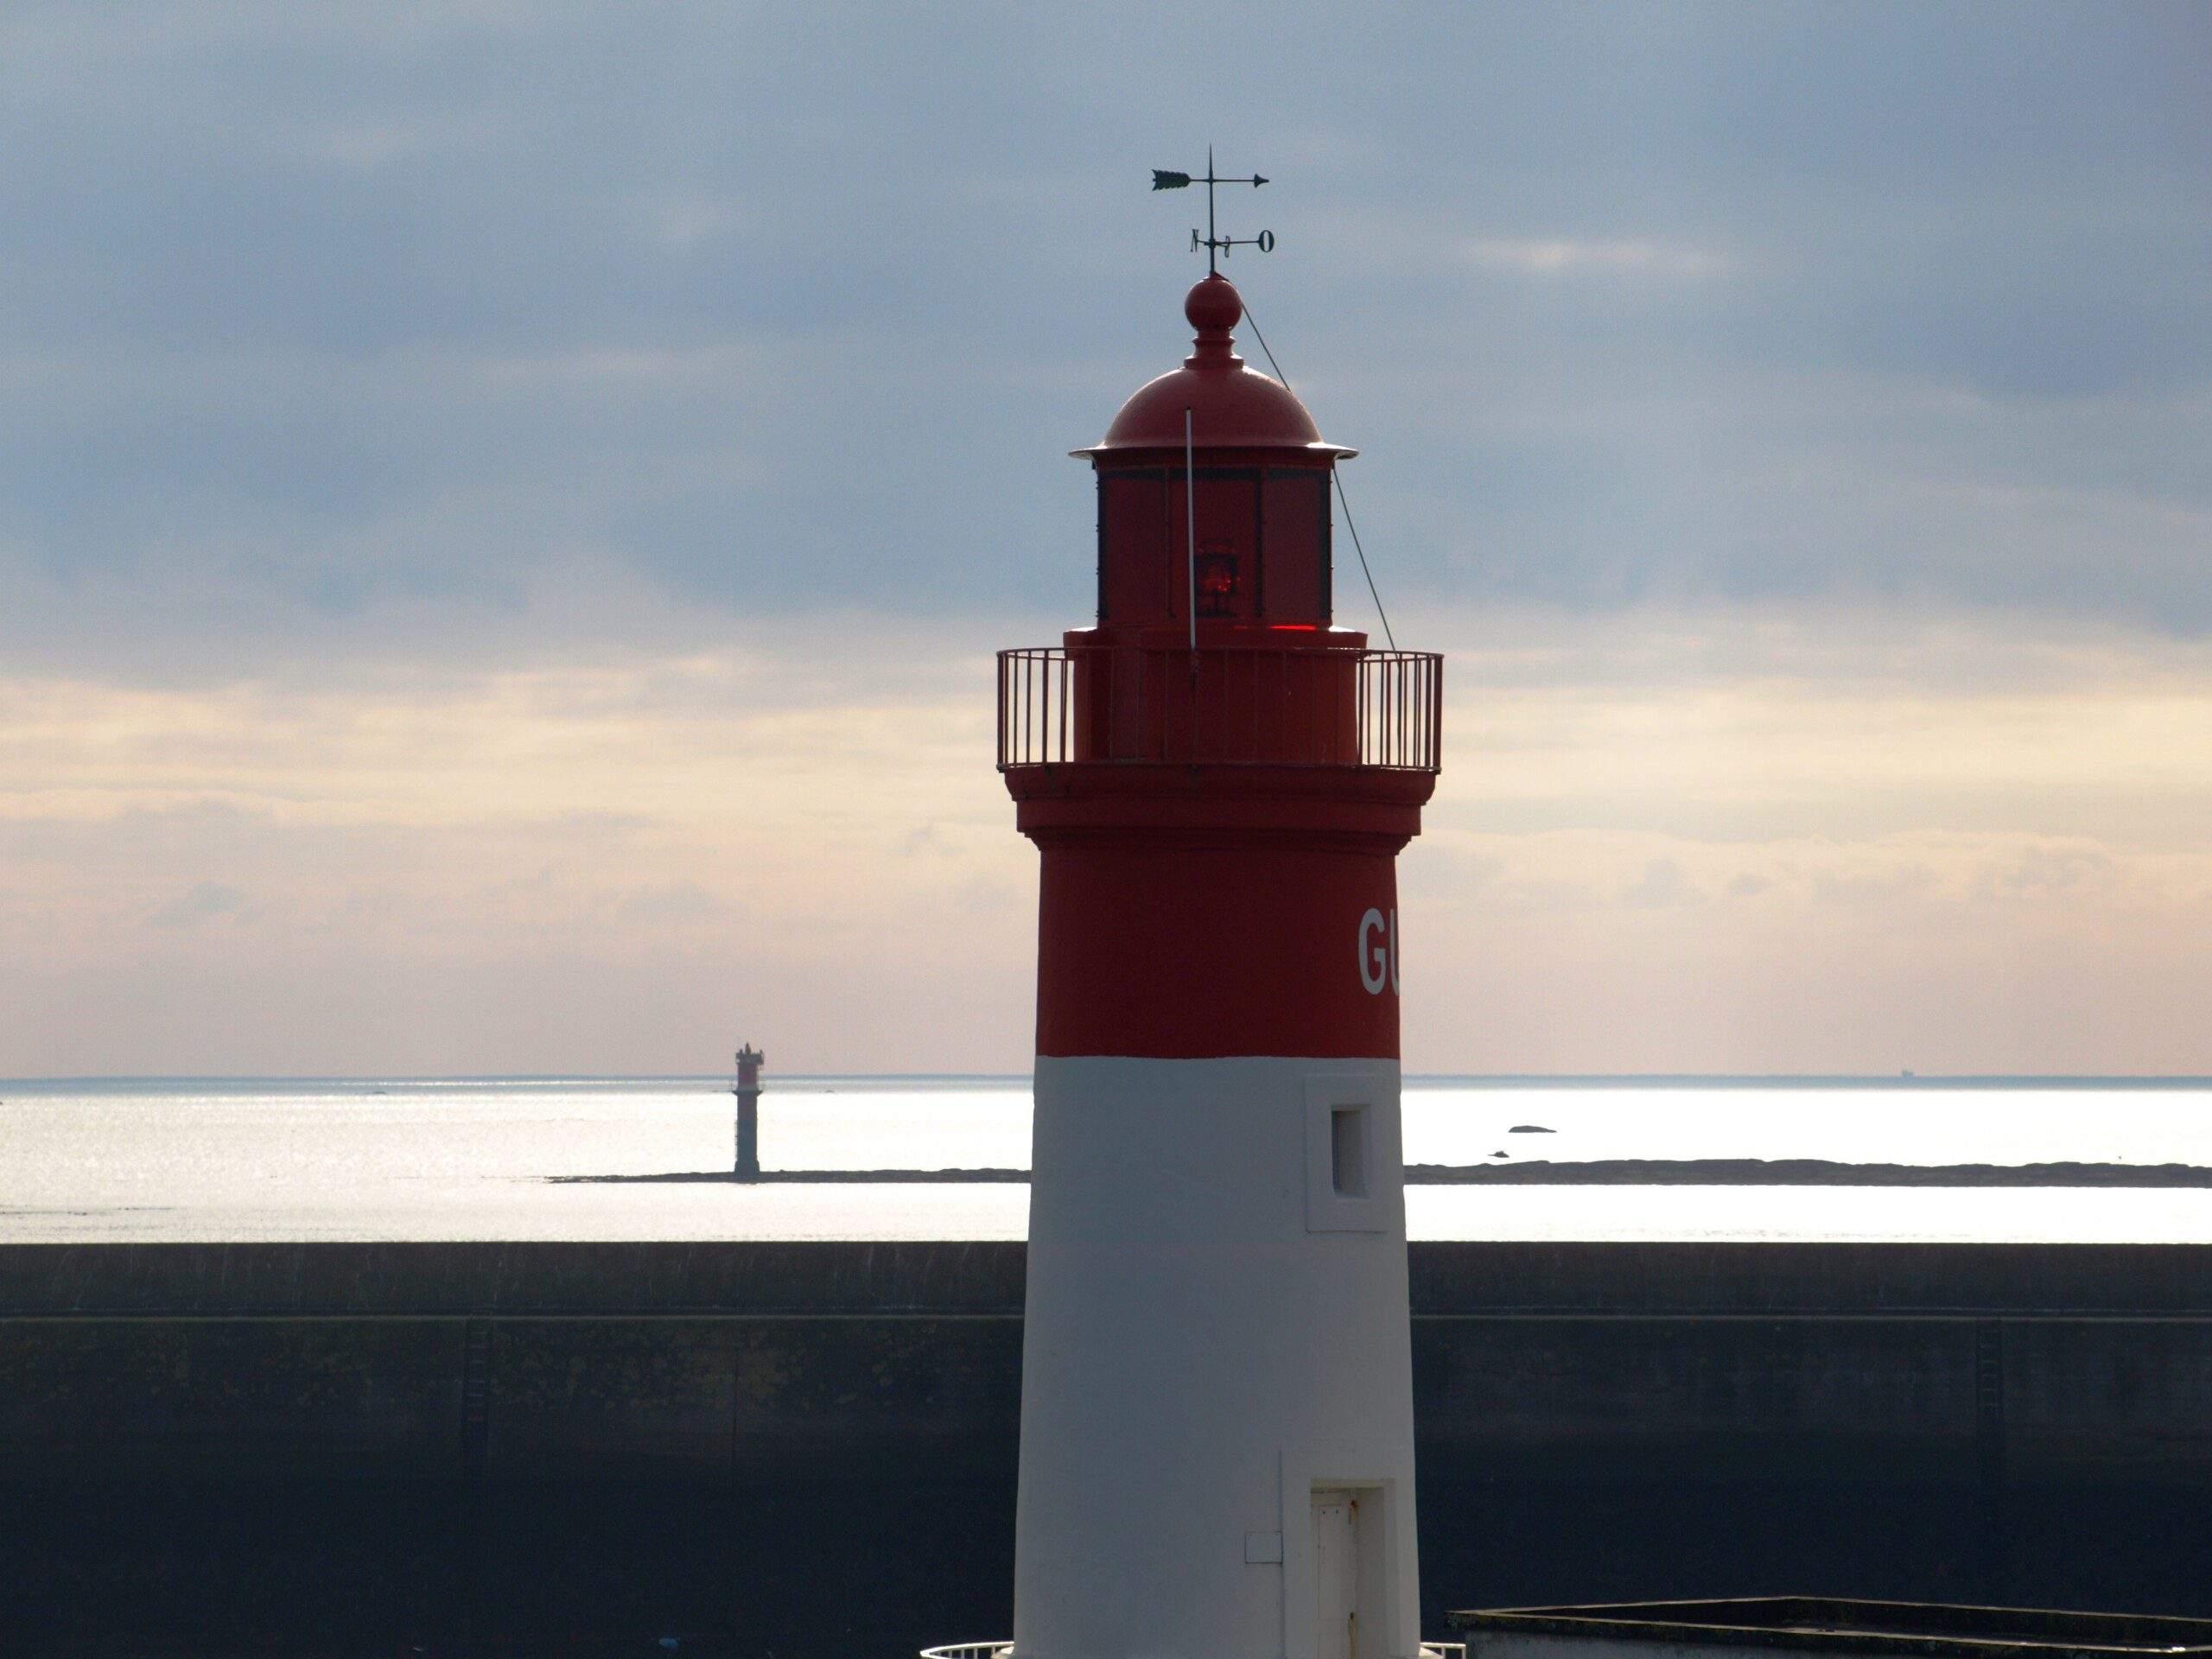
<point x="1216" y="1413"/>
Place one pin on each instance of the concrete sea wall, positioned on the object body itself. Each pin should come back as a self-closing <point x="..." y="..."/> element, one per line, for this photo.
<point x="798" y="1449"/>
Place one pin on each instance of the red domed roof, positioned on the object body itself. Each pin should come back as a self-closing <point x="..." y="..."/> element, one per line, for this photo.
<point x="1232" y="407"/>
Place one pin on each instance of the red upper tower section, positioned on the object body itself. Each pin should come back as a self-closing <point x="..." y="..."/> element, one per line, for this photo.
<point x="1219" y="778"/>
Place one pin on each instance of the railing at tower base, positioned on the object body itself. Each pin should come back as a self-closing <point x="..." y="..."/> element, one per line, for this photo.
<point x="1005" y="1650"/>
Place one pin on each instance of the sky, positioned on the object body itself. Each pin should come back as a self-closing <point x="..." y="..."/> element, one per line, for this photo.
<point x="506" y="510"/>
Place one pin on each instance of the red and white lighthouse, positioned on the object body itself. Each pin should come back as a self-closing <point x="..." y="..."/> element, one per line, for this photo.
<point x="1216" y="1416"/>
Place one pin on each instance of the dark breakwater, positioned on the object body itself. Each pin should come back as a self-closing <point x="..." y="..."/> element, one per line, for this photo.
<point x="1795" y="1172"/>
<point x="799" y="1449"/>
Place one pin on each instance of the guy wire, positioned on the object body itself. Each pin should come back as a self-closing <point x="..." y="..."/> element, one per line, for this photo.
<point x="1339" y="480"/>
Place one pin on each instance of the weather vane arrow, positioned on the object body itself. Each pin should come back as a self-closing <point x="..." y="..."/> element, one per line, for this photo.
<point x="1211" y="241"/>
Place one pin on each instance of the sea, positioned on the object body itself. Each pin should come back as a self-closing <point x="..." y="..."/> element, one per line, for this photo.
<point x="618" y="1158"/>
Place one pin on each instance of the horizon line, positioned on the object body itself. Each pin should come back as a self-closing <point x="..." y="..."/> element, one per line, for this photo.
<point x="723" y="1082"/>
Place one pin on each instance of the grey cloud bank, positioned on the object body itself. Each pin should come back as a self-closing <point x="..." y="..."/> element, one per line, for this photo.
<point x="339" y="325"/>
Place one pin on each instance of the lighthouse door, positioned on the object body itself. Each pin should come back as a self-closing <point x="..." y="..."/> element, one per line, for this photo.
<point x="1336" y="1574"/>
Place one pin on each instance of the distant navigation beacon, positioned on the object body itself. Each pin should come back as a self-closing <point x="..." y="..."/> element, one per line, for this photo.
<point x="748" y="1090"/>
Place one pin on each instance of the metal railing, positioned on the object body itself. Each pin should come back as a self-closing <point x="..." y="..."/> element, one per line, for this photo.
<point x="1325" y="706"/>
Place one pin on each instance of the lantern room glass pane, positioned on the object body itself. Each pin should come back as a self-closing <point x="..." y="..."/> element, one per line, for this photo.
<point x="1294" y="535"/>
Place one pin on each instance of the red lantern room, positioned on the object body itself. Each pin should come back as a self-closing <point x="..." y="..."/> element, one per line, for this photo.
<point x="1248" y="549"/>
<point x="1215" y="642"/>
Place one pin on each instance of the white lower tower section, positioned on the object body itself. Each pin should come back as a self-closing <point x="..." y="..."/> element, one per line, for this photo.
<point x="1217" y="1402"/>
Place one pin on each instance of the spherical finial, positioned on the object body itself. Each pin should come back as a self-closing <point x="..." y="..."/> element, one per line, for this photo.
<point x="1213" y="306"/>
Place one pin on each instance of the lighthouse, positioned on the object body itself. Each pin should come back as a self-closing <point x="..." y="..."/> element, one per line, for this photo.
<point x="1217" y="1454"/>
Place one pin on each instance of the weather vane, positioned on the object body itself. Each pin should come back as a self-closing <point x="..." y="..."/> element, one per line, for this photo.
<point x="1264" y="241"/>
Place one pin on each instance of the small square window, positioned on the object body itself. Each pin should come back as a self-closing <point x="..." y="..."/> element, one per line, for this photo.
<point x="1351" y="1153"/>
<point x="1348" y="1151"/>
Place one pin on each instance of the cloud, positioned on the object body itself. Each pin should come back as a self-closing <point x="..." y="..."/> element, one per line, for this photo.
<point x="366" y="146"/>
<point x="326" y="326"/>
<point x="672" y="904"/>
<point x="207" y="901"/>
<point x="588" y="867"/>
<point x="2043" y="873"/>
<point x="1660" y="888"/>
<point x="514" y="490"/>
<point x="1559" y="257"/>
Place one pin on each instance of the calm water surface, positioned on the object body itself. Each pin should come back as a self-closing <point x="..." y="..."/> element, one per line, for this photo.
<point x="482" y="1159"/>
